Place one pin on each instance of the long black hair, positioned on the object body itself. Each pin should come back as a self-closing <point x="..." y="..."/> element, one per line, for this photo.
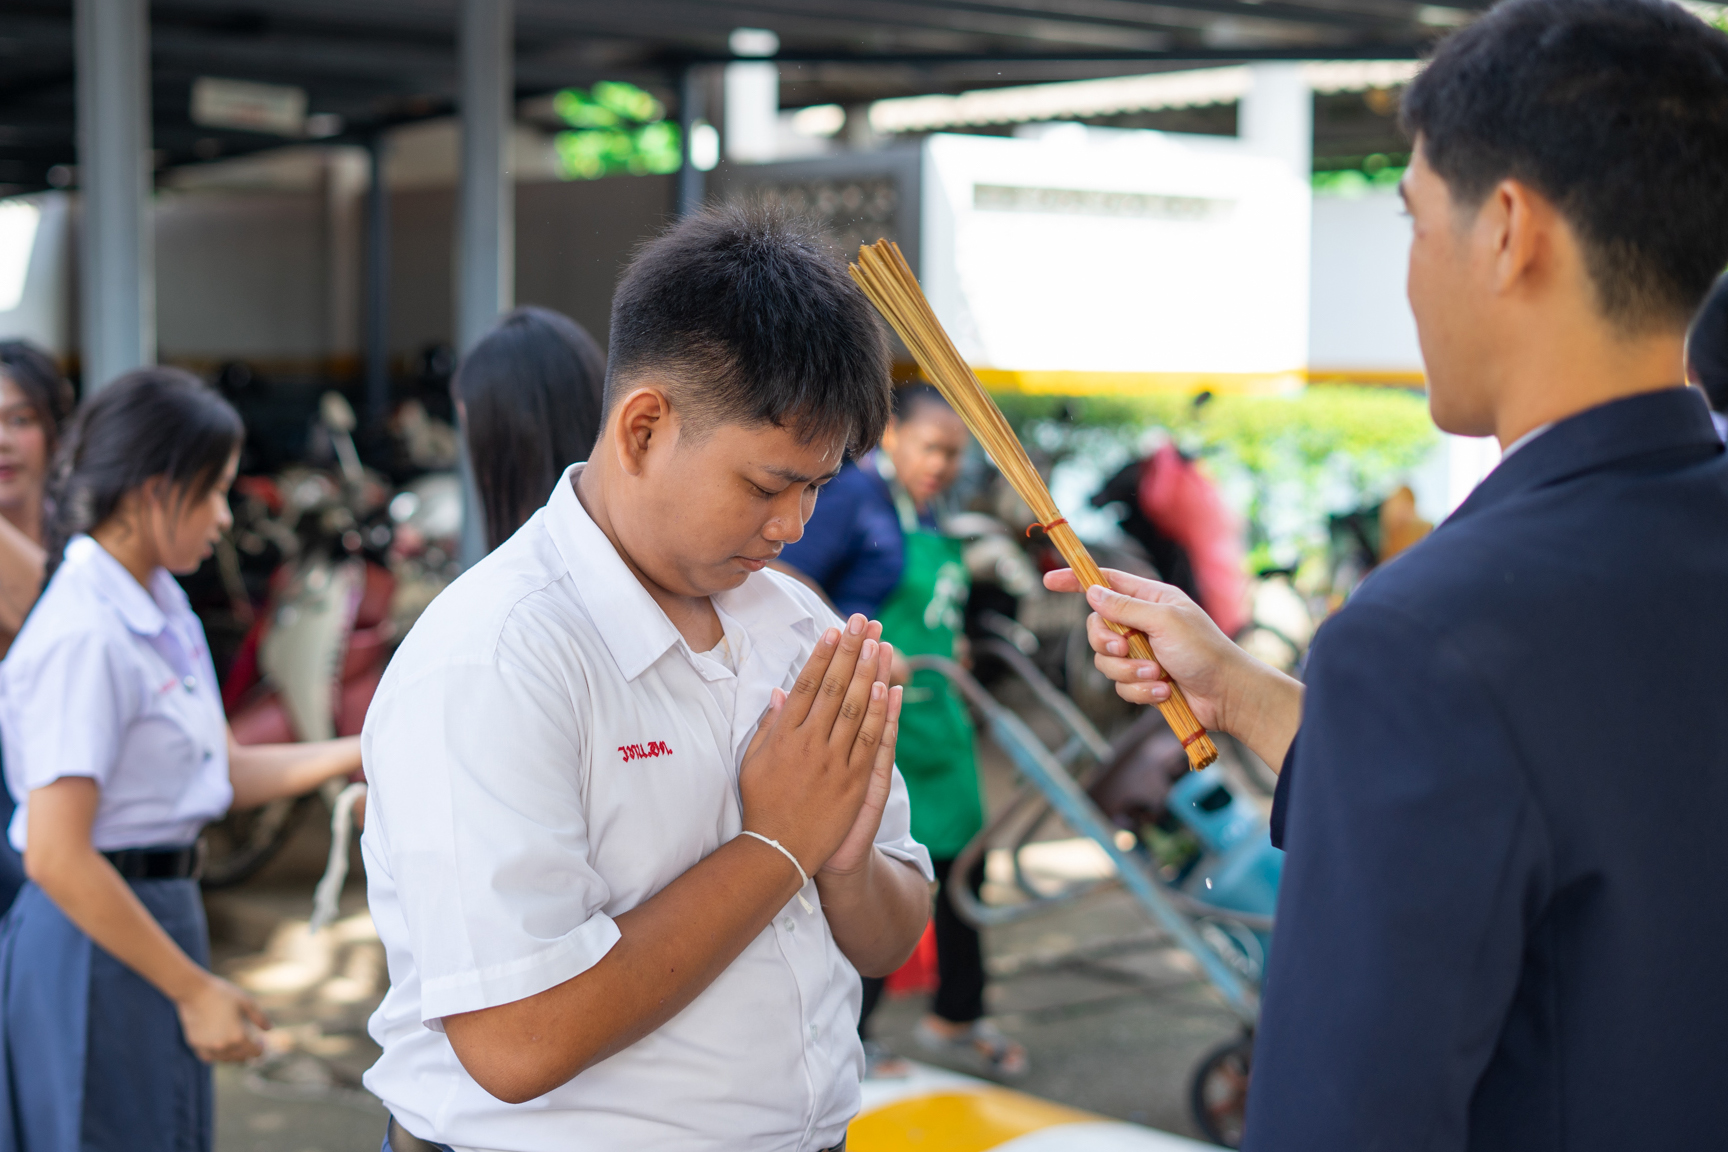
<point x="38" y="377"/>
<point x="150" y="423"/>
<point x="531" y="392"/>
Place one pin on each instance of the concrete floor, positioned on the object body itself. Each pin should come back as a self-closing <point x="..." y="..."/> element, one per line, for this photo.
<point x="1115" y="1020"/>
<point x="305" y="1094"/>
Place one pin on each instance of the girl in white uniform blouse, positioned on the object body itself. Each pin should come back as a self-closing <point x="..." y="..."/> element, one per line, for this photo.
<point x="34" y="400"/>
<point x="117" y="754"/>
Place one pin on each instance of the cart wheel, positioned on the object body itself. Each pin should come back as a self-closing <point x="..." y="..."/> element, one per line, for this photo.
<point x="1219" y="1094"/>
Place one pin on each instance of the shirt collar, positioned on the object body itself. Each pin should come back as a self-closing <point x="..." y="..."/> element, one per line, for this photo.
<point x="141" y="611"/>
<point x="634" y="628"/>
<point x="1672" y="420"/>
<point x="1525" y="439"/>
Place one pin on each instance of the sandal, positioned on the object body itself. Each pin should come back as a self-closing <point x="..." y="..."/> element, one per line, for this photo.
<point x="981" y="1043"/>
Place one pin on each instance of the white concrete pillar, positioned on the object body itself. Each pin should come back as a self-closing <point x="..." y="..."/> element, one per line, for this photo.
<point x="752" y="88"/>
<point x="1276" y="117"/>
<point x="486" y="225"/>
<point x="117" y="267"/>
<point x="1276" y="120"/>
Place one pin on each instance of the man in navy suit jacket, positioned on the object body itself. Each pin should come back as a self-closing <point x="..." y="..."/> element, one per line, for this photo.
<point x="1504" y="915"/>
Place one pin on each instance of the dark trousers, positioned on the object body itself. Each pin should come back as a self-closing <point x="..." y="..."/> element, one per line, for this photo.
<point x="399" y="1139"/>
<point x="959" y="958"/>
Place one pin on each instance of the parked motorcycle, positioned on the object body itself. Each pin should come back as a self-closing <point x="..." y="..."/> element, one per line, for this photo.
<point x="358" y="563"/>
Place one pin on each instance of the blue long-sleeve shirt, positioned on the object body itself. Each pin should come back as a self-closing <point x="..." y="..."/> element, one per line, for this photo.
<point x="852" y="545"/>
<point x="1503" y="925"/>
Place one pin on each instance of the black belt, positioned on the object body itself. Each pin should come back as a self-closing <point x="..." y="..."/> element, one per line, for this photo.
<point x="183" y="863"/>
<point x="402" y="1140"/>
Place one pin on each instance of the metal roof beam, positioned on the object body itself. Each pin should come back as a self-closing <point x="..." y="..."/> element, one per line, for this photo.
<point x="1105" y="14"/>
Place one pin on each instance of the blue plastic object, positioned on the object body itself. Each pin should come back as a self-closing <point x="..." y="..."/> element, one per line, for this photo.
<point x="1203" y="801"/>
<point x="1240" y="869"/>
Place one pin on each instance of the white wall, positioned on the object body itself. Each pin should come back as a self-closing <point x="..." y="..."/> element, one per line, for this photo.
<point x="572" y="242"/>
<point x="1451" y="472"/>
<point x="241" y="275"/>
<point x="44" y="308"/>
<point x="1199" y="265"/>
<point x="1358" y="315"/>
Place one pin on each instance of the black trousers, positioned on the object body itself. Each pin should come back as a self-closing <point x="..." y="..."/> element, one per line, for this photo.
<point x="959" y="958"/>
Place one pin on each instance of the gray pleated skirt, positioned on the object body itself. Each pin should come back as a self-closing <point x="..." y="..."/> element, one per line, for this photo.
<point x="92" y="1058"/>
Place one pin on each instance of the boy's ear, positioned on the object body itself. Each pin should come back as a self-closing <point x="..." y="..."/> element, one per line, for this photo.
<point x="643" y="414"/>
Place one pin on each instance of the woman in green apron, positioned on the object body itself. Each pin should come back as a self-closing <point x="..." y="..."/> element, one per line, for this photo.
<point x="919" y="459"/>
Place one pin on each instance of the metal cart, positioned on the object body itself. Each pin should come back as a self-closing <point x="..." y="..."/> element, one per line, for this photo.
<point x="1191" y="848"/>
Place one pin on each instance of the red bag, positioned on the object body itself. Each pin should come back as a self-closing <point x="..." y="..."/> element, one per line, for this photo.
<point x="916" y="977"/>
<point x="1186" y="506"/>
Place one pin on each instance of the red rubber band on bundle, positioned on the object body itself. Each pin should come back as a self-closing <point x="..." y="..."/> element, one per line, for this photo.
<point x="1193" y="736"/>
<point x="1046" y="527"/>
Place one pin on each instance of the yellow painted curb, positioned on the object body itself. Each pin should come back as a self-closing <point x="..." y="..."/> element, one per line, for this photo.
<point x="972" y="1120"/>
<point x="1063" y="383"/>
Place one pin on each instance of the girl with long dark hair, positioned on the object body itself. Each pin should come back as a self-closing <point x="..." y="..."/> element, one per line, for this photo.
<point x="528" y="398"/>
<point x="118" y="753"/>
<point x="34" y="400"/>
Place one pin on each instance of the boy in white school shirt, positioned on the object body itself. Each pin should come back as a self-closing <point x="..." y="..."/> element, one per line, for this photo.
<point x="606" y="758"/>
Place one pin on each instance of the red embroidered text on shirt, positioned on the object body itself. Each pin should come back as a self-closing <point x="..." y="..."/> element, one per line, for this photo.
<point x="643" y="751"/>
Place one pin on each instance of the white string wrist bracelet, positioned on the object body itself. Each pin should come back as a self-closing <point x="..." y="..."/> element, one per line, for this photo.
<point x="803" y="876"/>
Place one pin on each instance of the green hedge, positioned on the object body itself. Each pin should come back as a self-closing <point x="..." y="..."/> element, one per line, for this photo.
<point x="1285" y="462"/>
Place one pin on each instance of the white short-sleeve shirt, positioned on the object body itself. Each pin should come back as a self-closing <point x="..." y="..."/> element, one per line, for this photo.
<point x="545" y="753"/>
<point x="114" y="682"/>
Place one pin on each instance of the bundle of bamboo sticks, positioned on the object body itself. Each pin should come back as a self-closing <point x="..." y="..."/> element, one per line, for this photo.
<point x="889" y="283"/>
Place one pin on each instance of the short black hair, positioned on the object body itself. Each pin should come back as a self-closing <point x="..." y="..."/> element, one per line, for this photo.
<point x="751" y="319"/>
<point x="531" y="393"/>
<point x="1707" y="346"/>
<point x="1617" y="112"/>
<point x="39" y="378"/>
<point x="909" y="399"/>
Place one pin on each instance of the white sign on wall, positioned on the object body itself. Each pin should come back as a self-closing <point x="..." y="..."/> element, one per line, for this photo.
<point x="1087" y="261"/>
<point x="274" y="108"/>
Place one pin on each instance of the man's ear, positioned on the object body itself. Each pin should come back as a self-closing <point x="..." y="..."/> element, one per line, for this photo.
<point x="1520" y="224"/>
<point x="644" y="416"/>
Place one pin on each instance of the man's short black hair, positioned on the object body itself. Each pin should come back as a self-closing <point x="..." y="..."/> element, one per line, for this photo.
<point x="749" y="317"/>
<point x="911" y="399"/>
<point x="1617" y="112"/>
